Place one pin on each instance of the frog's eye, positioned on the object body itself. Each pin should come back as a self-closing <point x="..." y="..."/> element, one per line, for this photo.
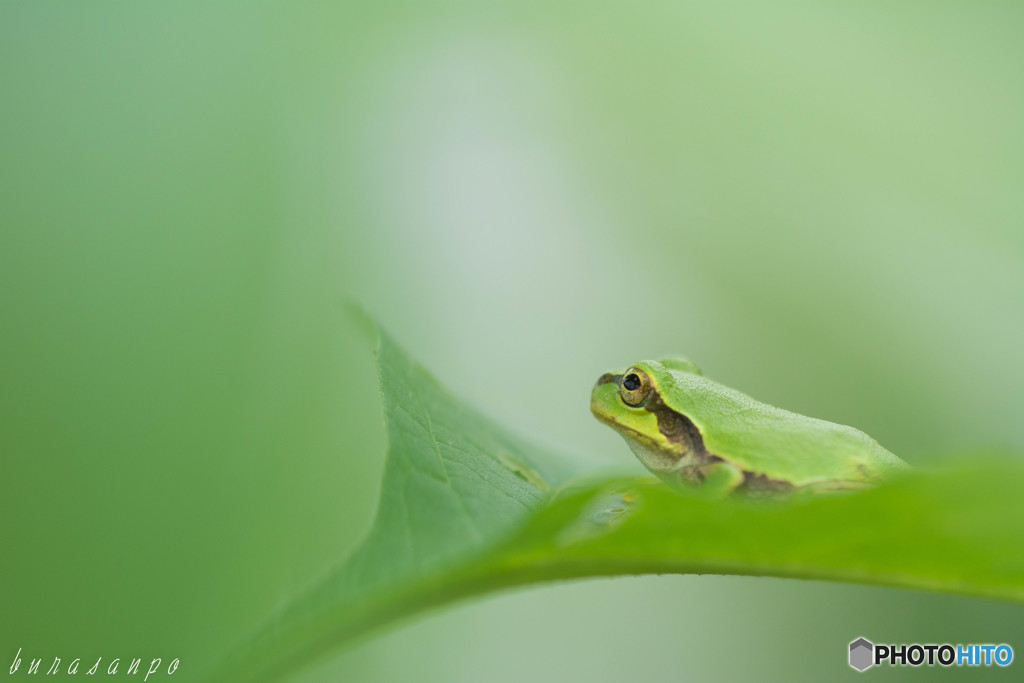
<point x="635" y="386"/>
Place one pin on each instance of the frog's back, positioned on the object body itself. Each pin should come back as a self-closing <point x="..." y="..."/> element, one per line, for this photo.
<point x="767" y="441"/>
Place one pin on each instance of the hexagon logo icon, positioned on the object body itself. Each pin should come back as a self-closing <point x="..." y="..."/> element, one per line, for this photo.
<point x="862" y="653"/>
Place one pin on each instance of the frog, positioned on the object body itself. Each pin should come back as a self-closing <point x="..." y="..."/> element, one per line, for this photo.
<point x="698" y="435"/>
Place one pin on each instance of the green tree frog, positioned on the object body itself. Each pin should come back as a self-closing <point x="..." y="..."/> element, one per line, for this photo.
<point x="691" y="432"/>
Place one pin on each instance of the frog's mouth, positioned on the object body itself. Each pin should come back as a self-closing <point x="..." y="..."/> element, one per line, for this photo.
<point x="624" y="429"/>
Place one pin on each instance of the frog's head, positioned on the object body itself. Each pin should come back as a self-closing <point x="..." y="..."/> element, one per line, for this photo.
<point x="630" y="401"/>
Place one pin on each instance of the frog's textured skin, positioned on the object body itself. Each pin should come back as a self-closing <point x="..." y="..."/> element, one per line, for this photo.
<point x="692" y="430"/>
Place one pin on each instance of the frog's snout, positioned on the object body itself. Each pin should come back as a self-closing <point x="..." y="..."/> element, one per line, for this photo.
<point x="603" y="396"/>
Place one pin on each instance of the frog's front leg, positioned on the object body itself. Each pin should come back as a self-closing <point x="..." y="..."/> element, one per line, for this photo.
<point x="720" y="479"/>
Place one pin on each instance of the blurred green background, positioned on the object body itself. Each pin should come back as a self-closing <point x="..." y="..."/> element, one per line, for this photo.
<point x="820" y="204"/>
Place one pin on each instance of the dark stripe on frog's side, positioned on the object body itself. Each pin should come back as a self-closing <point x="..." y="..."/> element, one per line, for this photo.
<point x="680" y="429"/>
<point x="755" y="484"/>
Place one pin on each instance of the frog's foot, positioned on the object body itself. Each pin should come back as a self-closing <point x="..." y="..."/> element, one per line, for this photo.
<point x="720" y="479"/>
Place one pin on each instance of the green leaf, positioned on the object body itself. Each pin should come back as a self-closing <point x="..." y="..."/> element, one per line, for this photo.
<point x="467" y="507"/>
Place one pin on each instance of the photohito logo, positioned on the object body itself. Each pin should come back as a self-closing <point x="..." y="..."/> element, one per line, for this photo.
<point x="864" y="654"/>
